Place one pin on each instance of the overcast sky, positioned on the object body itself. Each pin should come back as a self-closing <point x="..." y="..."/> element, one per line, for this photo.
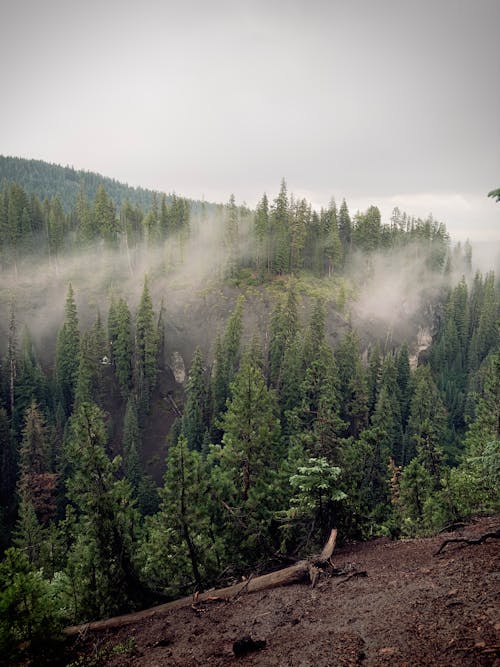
<point x="384" y="102"/>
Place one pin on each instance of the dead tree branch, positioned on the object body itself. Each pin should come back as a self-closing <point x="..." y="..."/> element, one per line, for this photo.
<point x="468" y="541"/>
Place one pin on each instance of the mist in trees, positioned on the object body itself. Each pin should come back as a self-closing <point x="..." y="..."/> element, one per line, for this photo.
<point x="296" y="412"/>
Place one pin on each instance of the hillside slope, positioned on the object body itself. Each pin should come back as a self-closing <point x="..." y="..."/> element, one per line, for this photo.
<point x="44" y="179"/>
<point x="412" y="608"/>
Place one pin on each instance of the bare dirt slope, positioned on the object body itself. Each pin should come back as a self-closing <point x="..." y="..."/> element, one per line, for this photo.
<point x="413" y="608"/>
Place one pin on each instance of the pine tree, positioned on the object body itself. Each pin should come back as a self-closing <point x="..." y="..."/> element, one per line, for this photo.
<point x="262" y="232"/>
<point x="100" y="563"/>
<point x="12" y="358"/>
<point x="352" y="384"/>
<point x="367" y="231"/>
<point x="427" y="428"/>
<point x="146" y="350"/>
<point x="298" y="223"/>
<point x="315" y="335"/>
<point x="280" y="252"/>
<point x="194" y="419"/>
<point x="226" y="361"/>
<point x="121" y="344"/>
<point x="231" y="235"/>
<point x="66" y="365"/>
<point x="179" y="552"/>
<point x="249" y="459"/>
<point x="104" y="214"/>
<point x="90" y="376"/>
<point x="403" y="380"/>
<point x="131" y="444"/>
<point x="56" y="228"/>
<point x="374" y="376"/>
<point x="319" y="425"/>
<point x="284" y="329"/>
<point x="37" y="484"/>
<point x="345" y="228"/>
<point x="30" y="383"/>
<point x="332" y="245"/>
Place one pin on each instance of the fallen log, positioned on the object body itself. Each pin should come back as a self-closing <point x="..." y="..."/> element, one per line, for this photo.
<point x="301" y="571"/>
<point x="468" y="541"/>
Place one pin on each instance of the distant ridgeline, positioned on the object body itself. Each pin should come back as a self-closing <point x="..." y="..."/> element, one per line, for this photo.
<point x="49" y="209"/>
<point x="46" y="180"/>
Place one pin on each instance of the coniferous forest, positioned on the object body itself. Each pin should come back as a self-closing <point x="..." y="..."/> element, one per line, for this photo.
<point x="192" y="391"/>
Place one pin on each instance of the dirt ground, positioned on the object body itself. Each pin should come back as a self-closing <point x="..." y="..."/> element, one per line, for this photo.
<point x="412" y="608"/>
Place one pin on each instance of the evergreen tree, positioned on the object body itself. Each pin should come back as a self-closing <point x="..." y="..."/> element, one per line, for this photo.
<point x="332" y="244"/>
<point x="104" y="214"/>
<point x="66" y="364"/>
<point x="100" y="563"/>
<point x="146" y="350"/>
<point x="121" y="343"/>
<point x="315" y="336"/>
<point x="132" y="446"/>
<point x="374" y="376"/>
<point x="404" y="383"/>
<point x="37" y="484"/>
<point x="226" y="361"/>
<point x="427" y="428"/>
<point x="194" y="419"/>
<point x="248" y="462"/>
<point x="345" y="228"/>
<point x="298" y="223"/>
<point x="319" y="425"/>
<point x="284" y="329"/>
<point x="352" y="384"/>
<point x="31" y="383"/>
<point x="262" y="234"/>
<point x="231" y="235"/>
<point x="366" y="234"/>
<point x="280" y="252"/>
<point x="179" y="552"/>
<point x="90" y="377"/>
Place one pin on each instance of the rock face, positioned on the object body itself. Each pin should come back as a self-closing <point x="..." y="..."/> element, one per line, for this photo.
<point x="178" y="367"/>
<point x="424" y="340"/>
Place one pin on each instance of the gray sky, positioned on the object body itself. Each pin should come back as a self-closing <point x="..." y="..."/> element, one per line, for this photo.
<point x="385" y="102"/>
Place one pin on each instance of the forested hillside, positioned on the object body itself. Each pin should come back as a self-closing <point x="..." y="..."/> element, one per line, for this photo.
<point x="47" y="181"/>
<point x="299" y="410"/>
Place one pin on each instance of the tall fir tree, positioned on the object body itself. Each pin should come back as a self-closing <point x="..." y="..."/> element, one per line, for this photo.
<point x="66" y="364"/>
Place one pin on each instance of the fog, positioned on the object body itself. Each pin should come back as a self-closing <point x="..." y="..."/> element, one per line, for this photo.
<point x="175" y="268"/>
<point x="392" y="291"/>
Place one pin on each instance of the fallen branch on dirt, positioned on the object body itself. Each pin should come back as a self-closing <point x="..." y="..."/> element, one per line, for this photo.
<point x="354" y="573"/>
<point x="308" y="569"/>
<point x="469" y="541"/>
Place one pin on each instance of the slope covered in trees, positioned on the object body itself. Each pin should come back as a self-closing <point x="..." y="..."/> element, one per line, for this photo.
<point x="278" y="433"/>
<point x="45" y="180"/>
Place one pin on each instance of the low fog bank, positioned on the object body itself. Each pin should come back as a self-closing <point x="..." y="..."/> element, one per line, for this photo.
<point x="394" y="290"/>
<point x="176" y="269"/>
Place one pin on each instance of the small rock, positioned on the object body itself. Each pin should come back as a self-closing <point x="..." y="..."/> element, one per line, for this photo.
<point x="453" y="591"/>
<point x="387" y="650"/>
<point x="247" y="645"/>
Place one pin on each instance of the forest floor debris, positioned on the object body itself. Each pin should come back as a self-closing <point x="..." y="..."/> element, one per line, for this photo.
<point x="412" y="609"/>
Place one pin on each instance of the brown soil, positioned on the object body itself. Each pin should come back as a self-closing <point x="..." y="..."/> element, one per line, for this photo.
<point x="413" y="608"/>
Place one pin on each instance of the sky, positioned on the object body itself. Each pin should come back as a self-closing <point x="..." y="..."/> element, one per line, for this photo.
<point x="383" y="102"/>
